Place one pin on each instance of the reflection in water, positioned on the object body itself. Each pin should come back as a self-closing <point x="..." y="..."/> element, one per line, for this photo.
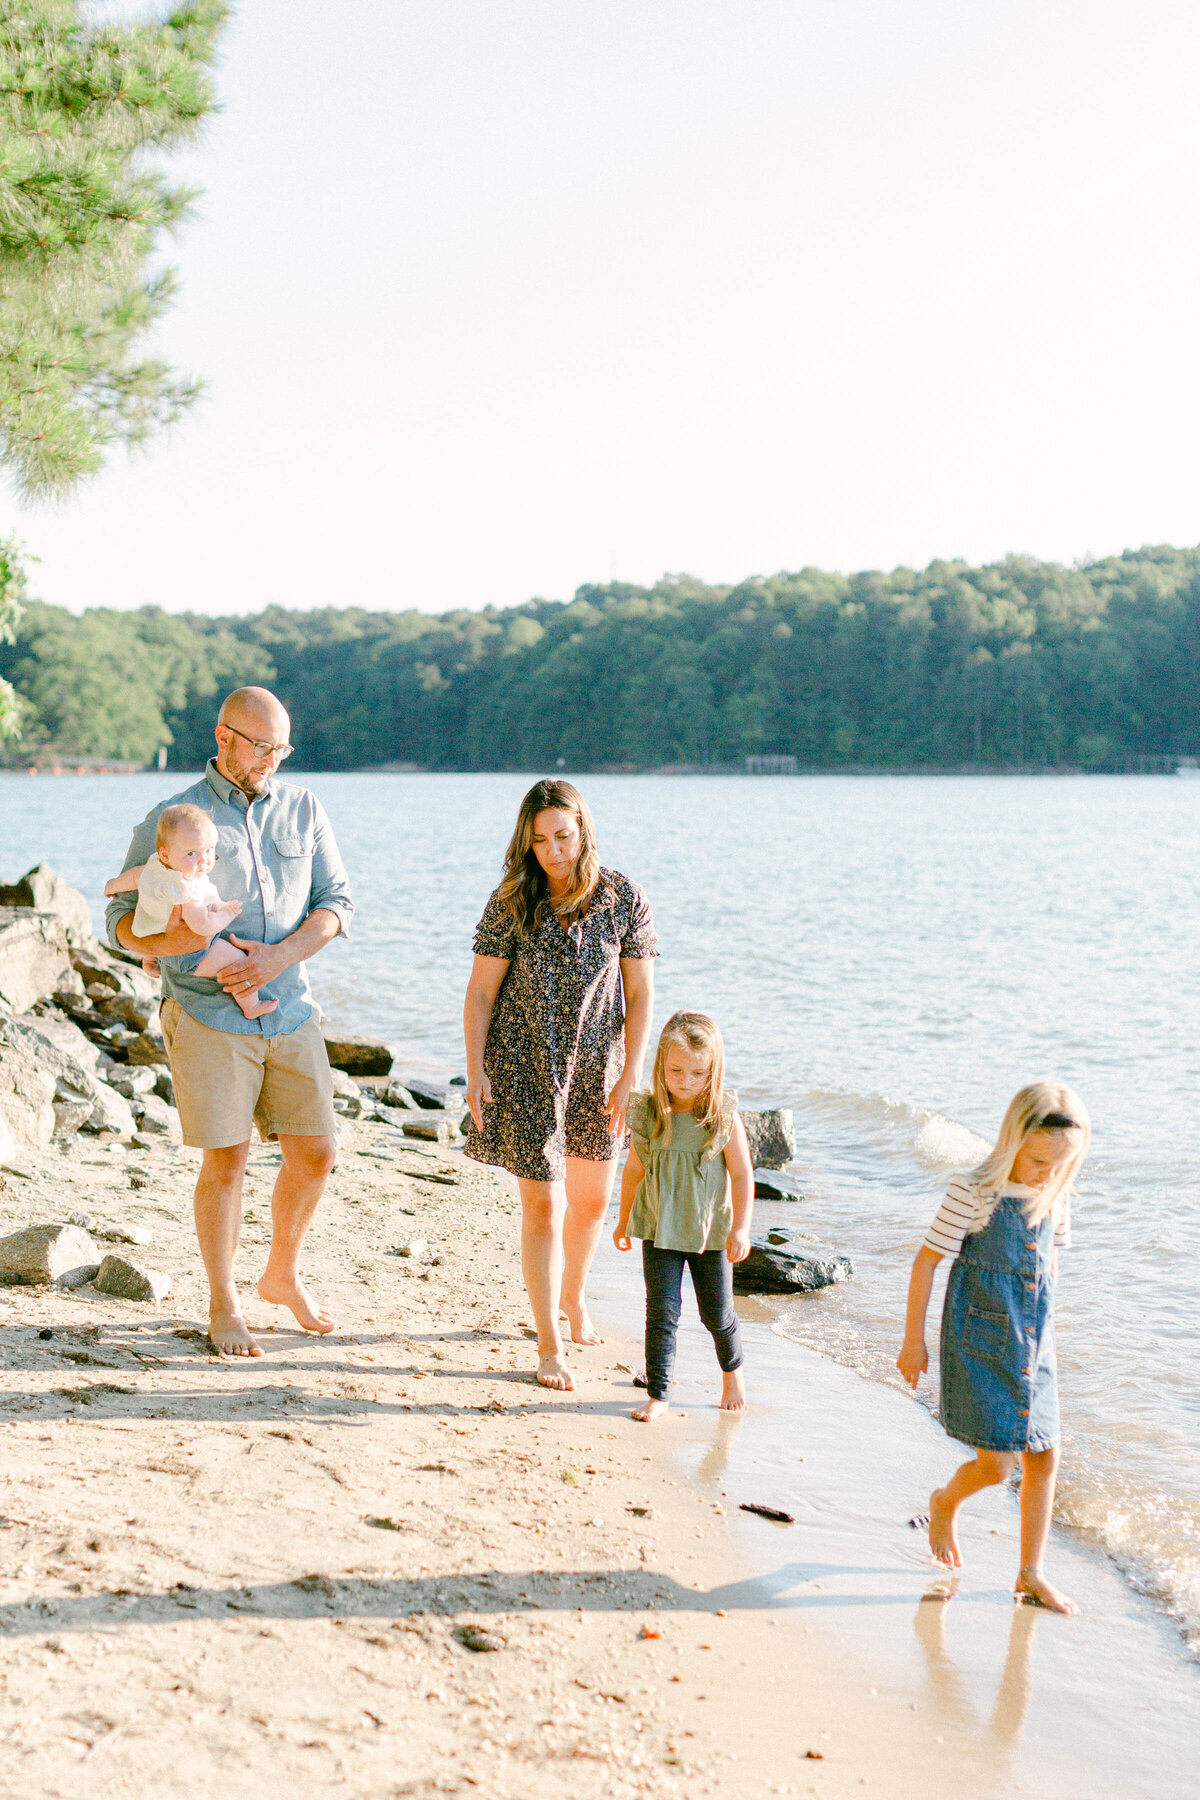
<point x="1011" y="1707"/>
<point x="716" y="1457"/>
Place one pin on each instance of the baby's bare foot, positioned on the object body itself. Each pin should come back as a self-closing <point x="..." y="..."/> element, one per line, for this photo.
<point x="943" y="1540"/>
<point x="733" y="1392"/>
<point x="1032" y="1589"/>
<point x="552" y="1372"/>
<point x="293" y="1294"/>
<point x="254" y="1009"/>
<point x="229" y="1333"/>
<point x="648" y="1411"/>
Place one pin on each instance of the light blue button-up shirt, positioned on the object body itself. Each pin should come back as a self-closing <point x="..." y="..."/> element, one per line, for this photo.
<point x="277" y="855"/>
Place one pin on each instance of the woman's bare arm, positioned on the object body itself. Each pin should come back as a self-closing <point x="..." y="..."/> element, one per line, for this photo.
<point x="637" y="981"/>
<point x="487" y="973"/>
<point x="913" y="1359"/>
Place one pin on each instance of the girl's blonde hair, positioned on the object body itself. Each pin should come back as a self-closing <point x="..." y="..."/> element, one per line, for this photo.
<point x="713" y="1107"/>
<point x="524" y="890"/>
<point x="1042" y="1106"/>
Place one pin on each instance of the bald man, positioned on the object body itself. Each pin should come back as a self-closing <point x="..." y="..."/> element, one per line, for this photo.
<point x="276" y="854"/>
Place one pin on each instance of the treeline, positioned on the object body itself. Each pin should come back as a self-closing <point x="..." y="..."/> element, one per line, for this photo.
<point x="1017" y="663"/>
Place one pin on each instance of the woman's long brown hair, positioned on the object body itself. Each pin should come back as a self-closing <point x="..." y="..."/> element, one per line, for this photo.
<point x="524" y="890"/>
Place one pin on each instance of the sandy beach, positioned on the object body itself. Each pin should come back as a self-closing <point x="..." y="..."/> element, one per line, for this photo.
<point x="254" y="1578"/>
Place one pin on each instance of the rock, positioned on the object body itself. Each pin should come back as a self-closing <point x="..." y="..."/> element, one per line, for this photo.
<point x="34" y="956"/>
<point x="146" y="1049"/>
<point x="158" y="1117"/>
<point x="772" y="1137"/>
<point x="772" y="1268"/>
<point x="130" y="1281"/>
<point x="110" y="1112"/>
<point x="397" y="1095"/>
<point x="357" y="1055"/>
<point x="347" y="1095"/>
<point x="414" y="1247"/>
<point x="164" y="1087"/>
<point x="138" y="1011"/>
<point x="99" y="967"/>
<point x="65" y="1035"/>
<point x="134" y="1081"/>
<point x="771" y="1186"/>
<point x="43" y="891"/>
<point x="71" y="1115"/>
<point x="26" y="1094"/>
<point x="435" y="1096"/>
<point x="436" y="1131"/>
<point x="44" y="1255"/>
<point x="458" y="1081"/>
<point x="474" y="1637"/>
<point x="73" y="1081"/>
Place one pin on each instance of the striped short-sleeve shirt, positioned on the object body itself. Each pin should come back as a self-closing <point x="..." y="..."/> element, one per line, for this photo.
<point x="966" y="1209"/>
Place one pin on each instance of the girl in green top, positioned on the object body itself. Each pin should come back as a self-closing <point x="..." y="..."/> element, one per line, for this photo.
<point x="687" y="1192"/>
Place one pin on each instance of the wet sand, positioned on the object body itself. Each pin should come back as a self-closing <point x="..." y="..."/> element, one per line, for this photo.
<point x="236" y="1578"/>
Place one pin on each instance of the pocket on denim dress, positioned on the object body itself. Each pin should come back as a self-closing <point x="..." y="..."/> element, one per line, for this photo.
<point x="985" y="1334"/>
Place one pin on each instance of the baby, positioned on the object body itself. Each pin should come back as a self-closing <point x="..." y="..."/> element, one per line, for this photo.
<point x="177" y="876"/>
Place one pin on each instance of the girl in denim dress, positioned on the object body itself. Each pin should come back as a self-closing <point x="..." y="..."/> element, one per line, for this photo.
<point x="1004" y="1224"/>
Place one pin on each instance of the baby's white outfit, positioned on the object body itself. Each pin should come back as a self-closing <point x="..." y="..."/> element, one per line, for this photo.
<point x="160" y="890"/>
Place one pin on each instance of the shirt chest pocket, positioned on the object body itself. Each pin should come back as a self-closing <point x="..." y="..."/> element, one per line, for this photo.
<point x="293" y="855"/>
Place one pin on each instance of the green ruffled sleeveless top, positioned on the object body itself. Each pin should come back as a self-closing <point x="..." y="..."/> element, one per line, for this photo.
<point x="682" y="1202"/>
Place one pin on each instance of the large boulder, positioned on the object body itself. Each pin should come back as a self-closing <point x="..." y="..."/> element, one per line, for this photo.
<point x="774" y="1267"/>
<point x="62" y="1255"/>
<point x="435" y="1096"/>
<point x="357" y="1055"/>
<point x="772" y="1137"/>
<point x="99" y="967"/>
<point x="156" y="1117"/>
<point x="45" y="892"/>
<point x="27" y="1092"/>
<point x="771" y="1184"/>
<point x="110" y="1112"/>
<point x="66" y="1036"/>
<point x="34" y="956"/>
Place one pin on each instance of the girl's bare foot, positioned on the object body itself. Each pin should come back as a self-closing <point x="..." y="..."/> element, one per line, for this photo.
<point x="229" y="1333"/>
<point x="1032" y="1589"/>
<point x="552" y="1372"/>
<point x="733" y="1392"/>
<point x="943" y="1540"/>
<point x="648" y="1411"/>
<point x="280" y="1291"/>
<point x="582" y="1329"/>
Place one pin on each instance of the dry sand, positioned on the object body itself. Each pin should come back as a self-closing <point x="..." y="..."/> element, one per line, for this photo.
<point x="250" y="1579"/>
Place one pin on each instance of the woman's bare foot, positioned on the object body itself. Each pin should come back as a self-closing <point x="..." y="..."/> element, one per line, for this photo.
<point x="229" y="1333"/>
<point x="1032" y="1589"/>
<point x="648" y="1411"/>
<point x="552" y="1372"/>
<point x="733" y="1392"/>
<point x="943" y="1540"/>
<point x="293" y="1294"/>
<point x="582" y="1329"/>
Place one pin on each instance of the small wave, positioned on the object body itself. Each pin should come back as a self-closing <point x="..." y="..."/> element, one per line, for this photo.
<point x="918" y="1133"/>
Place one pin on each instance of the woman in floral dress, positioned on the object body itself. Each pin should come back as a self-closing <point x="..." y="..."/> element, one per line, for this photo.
<point x="557" y="1019"/>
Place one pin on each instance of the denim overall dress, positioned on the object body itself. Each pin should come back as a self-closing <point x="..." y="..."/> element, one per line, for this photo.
<point x="999" y="1370"/>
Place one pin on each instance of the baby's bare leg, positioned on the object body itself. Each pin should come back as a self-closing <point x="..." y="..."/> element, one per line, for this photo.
<point x="221" y="954"/>
<point x="986" y="1469"/>
<point x="123" y="883"/>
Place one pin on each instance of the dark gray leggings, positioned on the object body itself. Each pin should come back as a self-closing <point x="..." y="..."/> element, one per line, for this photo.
<point x="712" y="1278"/>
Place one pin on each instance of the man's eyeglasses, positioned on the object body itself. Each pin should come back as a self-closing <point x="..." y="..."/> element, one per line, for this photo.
<point x="261" y="749"/>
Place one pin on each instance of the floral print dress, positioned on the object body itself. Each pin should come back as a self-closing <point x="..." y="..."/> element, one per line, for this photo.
<point x="555" y="1044"/>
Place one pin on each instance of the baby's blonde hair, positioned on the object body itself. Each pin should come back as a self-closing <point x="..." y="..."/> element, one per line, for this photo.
<point x="171" y="818"/>
<point x="1042" y="1106"/>
<point x="713" y="1107"/>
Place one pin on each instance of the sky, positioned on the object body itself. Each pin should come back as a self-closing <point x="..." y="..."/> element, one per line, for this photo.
<point x="497" y="297"/>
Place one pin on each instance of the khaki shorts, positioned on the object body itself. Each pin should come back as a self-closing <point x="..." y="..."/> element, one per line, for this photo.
<point x="228" y="1081"/>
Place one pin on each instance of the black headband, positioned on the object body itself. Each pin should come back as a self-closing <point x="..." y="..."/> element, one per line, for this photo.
<point x="1057" y="1122"/>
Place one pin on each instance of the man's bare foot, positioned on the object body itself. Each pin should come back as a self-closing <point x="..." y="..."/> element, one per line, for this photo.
<point x="582" y="1329"/>
<point x="295" y="1296"/>
<point x="648" y="1411"/>
<point x="229" y="1333"/>
<point x="552" y="1372"/>
<point x="943" y="1540"/>
<point x="1032" y="1589"/>
<point x="733" y="1392"/>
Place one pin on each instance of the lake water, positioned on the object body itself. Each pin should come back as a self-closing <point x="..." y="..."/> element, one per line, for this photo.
<point x="892" y="958"/>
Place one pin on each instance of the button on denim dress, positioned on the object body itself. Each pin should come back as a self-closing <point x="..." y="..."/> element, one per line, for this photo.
<point x="999" y="1370"/>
